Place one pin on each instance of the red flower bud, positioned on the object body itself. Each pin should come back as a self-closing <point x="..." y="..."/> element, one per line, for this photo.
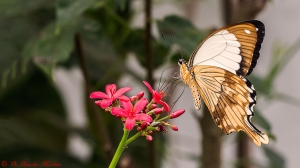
<point x="149" y="138"/>
<point x="158" y="110"/>
<point x="174" y="127"/>
<point x="177" y="113"/>
<point x="160" y="128"/>
<point x="150" y="132"/>
<point x="157" y="129"/>
<point x="137" y="97"/>
<point x="144" y="125"/>
<point x="133" y="98"/>
<point x="139" y="129"/>
<point x="140" y="95"/>
<point x="153" y="106"/>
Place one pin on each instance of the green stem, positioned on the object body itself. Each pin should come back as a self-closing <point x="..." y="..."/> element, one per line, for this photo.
<point x="156" y="117"/>
<point x="120" y="149"/>
<point x="164" y="118"/>
<point x="133" y="138"/>
<point x="149" y="106"/>
<point x="138" y="135"/>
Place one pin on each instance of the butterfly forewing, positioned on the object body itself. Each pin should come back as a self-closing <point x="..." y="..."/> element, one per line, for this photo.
<point x="234" y="48"/>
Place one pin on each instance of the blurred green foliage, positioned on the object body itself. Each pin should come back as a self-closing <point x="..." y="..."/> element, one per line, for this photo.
<point x="36" y="36"/>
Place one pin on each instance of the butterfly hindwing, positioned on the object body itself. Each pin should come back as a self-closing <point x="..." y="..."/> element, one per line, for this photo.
<point x="230" y="99"/>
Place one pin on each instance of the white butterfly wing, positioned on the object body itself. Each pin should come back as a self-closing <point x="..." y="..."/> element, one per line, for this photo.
<point x="234" y="48"/>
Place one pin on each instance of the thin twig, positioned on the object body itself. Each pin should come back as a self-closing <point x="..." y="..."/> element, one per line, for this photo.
<point x="96" y="118"/>
<point x="148" y="52"/>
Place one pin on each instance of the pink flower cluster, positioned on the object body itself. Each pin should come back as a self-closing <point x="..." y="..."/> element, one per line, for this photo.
<point x="137" y="110"/>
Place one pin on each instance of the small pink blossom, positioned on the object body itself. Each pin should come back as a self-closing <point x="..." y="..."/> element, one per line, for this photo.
<point x="144" y="125"/>
<point x="174" y="127"/>
<point x="153" y="106"/>
<point x="140" y="95"/>
<point x="160" y="128"/>
<point x="149" y="138"/>
<point x="137" y="97"/>
<point x="157" y="96"/>
<point x="111" y="95"/>
<point x="176" y="113"/>
<point x="132" y="113"/>
<point x="133" y="98"/>
<point x="158" y="110"/>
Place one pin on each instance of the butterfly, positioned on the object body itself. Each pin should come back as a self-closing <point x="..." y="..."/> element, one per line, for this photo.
<point x="216" y="73"/>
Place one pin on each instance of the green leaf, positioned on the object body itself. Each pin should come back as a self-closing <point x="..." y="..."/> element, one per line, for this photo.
<point x="135" y="43"/>
<point x="258" y="83"/>
<point x="14" y="33"/>
<point x="286" y="53"/>
<point x="4" y="77"/>
<point x="289" y="99"/>
<point x="281" y="55"/>
<point x="121" y="4"/>
<point x="14" y="8"/>
<point x="23" y="114"/>
<point x="68" y="10"/>
<point x="180" y="31"/>
<point x="261" y="121"/>
<point x="50" y="48"/>
<point x="275" y="159"/>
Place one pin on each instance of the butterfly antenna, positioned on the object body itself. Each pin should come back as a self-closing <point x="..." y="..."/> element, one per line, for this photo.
<point x="160" y="84"/>
<point x="172" y="91"/>
<point x="172" y="79"/>
<point x="166" y="87"/>
<point x="173" y="104"/>
<point x="161" y="75"/>
<point x="176" y="48"/>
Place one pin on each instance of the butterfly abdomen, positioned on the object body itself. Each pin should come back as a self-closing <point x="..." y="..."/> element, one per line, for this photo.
<point x="188" y="79"/>
<point x="196" y="95"/>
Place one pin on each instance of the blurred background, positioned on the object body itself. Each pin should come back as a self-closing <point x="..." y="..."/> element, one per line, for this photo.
<point x="53" y="54"/>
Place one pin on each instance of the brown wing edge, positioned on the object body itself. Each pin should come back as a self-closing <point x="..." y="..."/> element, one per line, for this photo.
<point x="260" y="37"/>
<point x="263" y="137"/>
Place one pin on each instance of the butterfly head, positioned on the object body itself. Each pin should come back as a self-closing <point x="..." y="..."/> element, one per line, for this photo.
<point x="180" y="61"/>
<point x="184" y="72"/>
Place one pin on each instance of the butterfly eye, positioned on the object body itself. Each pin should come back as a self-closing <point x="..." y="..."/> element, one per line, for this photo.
<point x="180" y="61"/>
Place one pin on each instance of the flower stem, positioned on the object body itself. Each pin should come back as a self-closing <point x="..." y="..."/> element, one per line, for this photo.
<point x="133" y="138"/>
<point x="120" y="149"/>
<point x="157" y="117"/>
<point x="138" y="135"/>
<point x="164" y="118"/>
